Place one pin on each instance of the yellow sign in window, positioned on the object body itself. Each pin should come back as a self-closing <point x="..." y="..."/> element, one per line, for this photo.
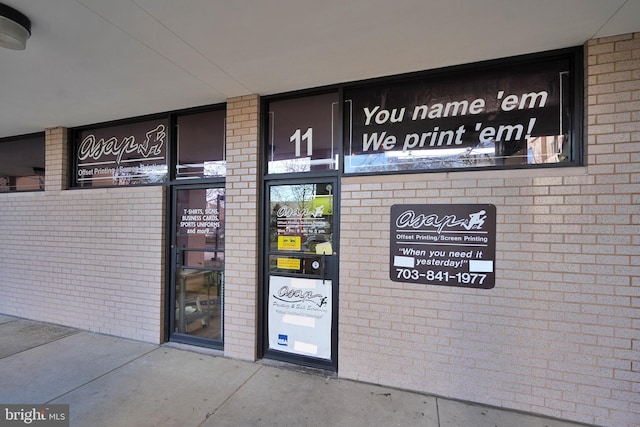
<point x="289" y="263"/>
<point x="289" y="243"/>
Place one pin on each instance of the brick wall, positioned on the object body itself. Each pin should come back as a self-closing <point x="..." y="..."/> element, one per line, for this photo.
<point x="241" y="252"/>
<point x="94" y="258"/>
<point x="559" y="333"/>
<point x="91" y="259"/>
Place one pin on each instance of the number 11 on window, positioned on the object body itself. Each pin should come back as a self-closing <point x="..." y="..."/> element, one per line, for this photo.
<point x="298" y="137"/>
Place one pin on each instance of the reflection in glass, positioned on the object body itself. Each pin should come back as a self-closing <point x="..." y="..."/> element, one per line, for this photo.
<point x="301" y="222"/>
<point x="127" y="154"/>
<point x="515" y="117"/>
<point x="199" y="303"/>
<point x="22" y="163"/>
<point x="199" y="281"/>
<point x="303" y="134"/>
<point x="200" y="226"/>
<point x="201" y="145"/>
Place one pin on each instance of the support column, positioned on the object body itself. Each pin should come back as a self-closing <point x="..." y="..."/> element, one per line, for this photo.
<point x="56" y="159"/>
<point x="241" y="228"/>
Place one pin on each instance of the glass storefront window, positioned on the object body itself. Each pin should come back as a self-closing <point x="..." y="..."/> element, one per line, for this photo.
<point x="303" y="134"/>
<point x="516" y="115"/>
<point x="22" y="163"/>
<point x="201" y="145"/>
<point x="520" y="112"/>
<point x="127" y="154"/>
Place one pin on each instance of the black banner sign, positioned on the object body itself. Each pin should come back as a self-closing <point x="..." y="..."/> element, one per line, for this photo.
<point x="450" y="245"/>
<point x="465" y="119"/>
<point x="127" y="154"/>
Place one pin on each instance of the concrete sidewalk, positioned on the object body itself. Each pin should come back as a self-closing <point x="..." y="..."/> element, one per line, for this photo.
<point x="110" y="381"/>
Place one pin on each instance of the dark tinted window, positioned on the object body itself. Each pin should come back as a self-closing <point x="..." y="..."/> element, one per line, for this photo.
<point x="22" y="163"/>
<point x="201" y="145"/>
<point x="303" y="134"/>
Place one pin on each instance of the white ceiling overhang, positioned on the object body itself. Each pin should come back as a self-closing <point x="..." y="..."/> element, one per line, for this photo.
<point x="91" y="61"/>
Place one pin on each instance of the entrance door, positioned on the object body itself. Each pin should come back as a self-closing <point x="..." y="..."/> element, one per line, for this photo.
<point x="198" y="265"/>
<point x="301" y="283"/>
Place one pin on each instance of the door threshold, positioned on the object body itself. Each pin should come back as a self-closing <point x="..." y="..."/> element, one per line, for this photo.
<point x="194" y="348"/>
<point x="327" y="373"/>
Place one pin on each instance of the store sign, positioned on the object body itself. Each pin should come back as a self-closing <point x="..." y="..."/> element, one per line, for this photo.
<point x="300" y="316"/>
<point x="123" y="155"/>
<point x="518" y="114"/>
<point x="449" y="245"/>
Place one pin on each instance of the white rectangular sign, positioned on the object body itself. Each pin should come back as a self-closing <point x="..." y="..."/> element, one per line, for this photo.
<point x="300" y="316"/>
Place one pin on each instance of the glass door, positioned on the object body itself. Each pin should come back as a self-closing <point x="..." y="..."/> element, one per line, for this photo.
<point x="198" y="265"/>
<point x="301" y="285"/>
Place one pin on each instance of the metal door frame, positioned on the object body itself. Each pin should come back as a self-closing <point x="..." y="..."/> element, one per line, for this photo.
<point x="263" y="341"/>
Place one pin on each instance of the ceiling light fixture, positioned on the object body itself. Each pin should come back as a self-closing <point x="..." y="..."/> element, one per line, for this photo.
<point x="15" y="28"/>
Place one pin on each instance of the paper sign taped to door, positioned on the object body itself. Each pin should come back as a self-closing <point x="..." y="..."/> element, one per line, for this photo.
<point x="324" y="248"/>
<point x="289" y="243"/>
<point x="288" y="263"/>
